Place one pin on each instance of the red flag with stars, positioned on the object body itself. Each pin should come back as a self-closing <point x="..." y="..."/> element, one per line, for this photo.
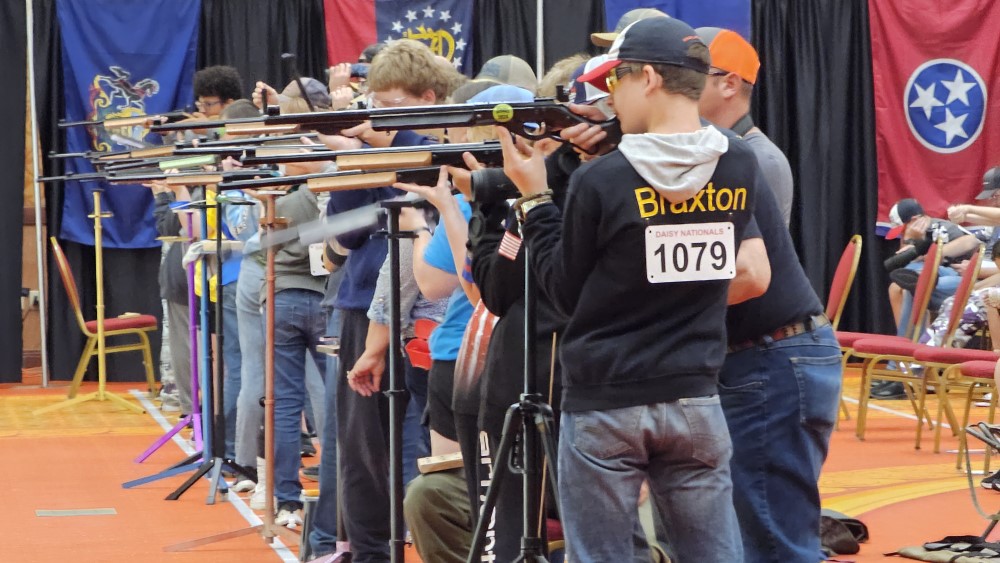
<point x="936" y="73"/>
<point x="443" y="25"/>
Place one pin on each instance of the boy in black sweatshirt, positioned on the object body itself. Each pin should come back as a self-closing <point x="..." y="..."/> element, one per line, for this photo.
<point x="640" y="259"/>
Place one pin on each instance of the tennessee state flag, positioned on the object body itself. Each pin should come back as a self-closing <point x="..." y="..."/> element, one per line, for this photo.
<point x="443" y="25"/>
<point x="937" y="99"/>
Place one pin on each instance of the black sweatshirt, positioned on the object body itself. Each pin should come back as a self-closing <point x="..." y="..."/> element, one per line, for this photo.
<point x="629" y="341"/>
<point x="501" y="285"/>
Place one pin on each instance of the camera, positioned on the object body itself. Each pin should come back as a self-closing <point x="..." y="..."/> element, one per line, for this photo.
<point x="491" y="185"/>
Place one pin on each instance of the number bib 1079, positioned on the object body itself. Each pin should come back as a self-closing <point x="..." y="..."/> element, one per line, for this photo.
<point x="691" y="252"/>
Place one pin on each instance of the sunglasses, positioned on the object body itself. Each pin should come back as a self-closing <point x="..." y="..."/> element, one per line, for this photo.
<point x="615" y="76"/>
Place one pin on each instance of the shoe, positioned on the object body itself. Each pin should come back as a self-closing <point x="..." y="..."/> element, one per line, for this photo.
<point x="311" y="473"/>
<point x="890" y="391"/>
<point x="289" y="514"/>
<point x="167" y="406"/>
<point x="257" y="499"/>
<point x="308" y="449"/>
<point x="991" y="482"/>
<point x="243" y="486"/>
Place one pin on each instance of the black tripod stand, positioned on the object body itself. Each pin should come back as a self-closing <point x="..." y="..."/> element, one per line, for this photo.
<point x="216" y="443"/>
<point x="530" y="420"/>
<point x="396" y="392"/>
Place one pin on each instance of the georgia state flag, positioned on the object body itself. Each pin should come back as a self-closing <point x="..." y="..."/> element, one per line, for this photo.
<point x="443" y="25"/>
<point x="937" y="99"/>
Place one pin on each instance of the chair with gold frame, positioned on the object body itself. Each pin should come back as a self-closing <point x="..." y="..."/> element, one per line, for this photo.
<point x="840" y="288"/>
<point x="124" y="325"/>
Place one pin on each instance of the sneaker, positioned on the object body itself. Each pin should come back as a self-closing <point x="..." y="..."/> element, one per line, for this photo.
<point x="311" y="473"/>
<point x="289" y="515"/>
<point x="243" y="486"/>
<point x="890" y="391"/>
<point x="308" y="449"/>
<point x="991" y="482"/>
<point x="170" y="406"/>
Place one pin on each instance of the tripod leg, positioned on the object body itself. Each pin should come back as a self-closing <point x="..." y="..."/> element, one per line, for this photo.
<point x="213" y="484"/>
<point x="170" y="472"/>
<point x="205" y="467"/>
<point x="511" y="425"/>
<point x="549" y="447"/>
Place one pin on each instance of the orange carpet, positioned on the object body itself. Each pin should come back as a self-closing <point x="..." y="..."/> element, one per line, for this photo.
<point x="76" y="459"/>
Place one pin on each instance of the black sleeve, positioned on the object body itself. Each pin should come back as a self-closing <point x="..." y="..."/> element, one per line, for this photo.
<point x="564" y="245"/>
<point x="500" y="280"/>
<point x="167" y="222"/>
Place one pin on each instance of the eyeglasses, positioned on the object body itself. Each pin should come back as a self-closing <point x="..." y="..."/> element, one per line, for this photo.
<point x="374" y="102"/>
<point x="615" y="76"/>
<point x="205" y="105"/>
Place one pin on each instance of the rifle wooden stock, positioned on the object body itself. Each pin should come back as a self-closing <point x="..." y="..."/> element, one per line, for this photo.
<point x="380" y="161"/>
<point x="194" y="179"/>
<point x="258" y="128"/>
<point x="150" y="152"/>
<point x="353" y="180"/>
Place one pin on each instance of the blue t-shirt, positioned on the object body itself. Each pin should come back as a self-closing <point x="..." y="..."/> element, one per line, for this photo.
<point x="447" y="337"/>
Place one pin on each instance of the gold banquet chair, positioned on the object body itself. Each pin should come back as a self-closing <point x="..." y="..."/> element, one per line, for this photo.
<point x="128" y="324"/>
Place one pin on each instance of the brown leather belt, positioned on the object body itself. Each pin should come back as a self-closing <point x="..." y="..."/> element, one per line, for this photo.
<point x="787" y="331"/>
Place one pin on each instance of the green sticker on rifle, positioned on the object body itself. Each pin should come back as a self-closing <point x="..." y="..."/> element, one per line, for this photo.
<point x="503" y="113"/>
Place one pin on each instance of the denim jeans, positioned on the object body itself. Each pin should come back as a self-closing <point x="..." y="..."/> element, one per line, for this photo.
<point x="249" y="412"/>
<point x="681" y="447"/>
<point x="323" y="537"/>
<point x="416" y="437"/>
<point x="299" y="323"/>
<point x="780" y="400"/>
<point x="947" y="285"/>
<point x="231" y="355"/>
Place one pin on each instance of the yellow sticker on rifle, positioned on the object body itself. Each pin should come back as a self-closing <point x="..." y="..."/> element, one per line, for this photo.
<point x="503" y="113"/>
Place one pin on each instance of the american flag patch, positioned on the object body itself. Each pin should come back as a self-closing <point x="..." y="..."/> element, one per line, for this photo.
<point x="510" y="245"/>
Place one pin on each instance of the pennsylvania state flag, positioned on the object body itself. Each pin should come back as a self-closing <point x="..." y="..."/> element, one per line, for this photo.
<point x="121" y="58"/>
<point x="443" y="25"/>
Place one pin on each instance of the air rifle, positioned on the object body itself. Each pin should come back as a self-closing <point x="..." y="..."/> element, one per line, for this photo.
<point x="195" y="178"/>
<point x="538" y="119"/>
<point x="342" y="180"/>
<point x="488" y="153"/>
<point x="144" y="120"/>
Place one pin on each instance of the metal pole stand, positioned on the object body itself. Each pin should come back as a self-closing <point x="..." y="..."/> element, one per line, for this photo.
<point x="396" y="393"/>
<point x="268" y="529"/>
<point x="527" y="425"/>
<point x="102" y="394"/>
<point x="193" y="418"/>
<point x="215" y="425"/>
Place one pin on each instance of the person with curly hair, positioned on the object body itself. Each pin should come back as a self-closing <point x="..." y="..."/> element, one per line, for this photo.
<point x="216" y="87"/>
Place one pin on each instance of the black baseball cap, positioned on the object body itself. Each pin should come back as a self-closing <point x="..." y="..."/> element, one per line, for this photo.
<point x="902" y="213"/>
<point x="991" y="183"/>
<point x="652" y="40"/>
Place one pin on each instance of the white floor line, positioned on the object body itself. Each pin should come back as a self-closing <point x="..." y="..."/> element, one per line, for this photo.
<point x="892" y="411"/>
<point x="238" y="503"/>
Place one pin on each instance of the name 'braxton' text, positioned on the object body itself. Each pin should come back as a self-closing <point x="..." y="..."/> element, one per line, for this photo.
<point x="708" y="199"/>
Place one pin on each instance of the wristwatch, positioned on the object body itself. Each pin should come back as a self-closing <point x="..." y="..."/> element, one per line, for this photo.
<point x="533" y="203"/>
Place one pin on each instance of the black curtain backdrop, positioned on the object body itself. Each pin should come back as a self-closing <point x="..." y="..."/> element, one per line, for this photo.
<point x="251" y="35"/>
<point x="814" y="99"/>
<point x="505" y="27"/>
<point x="13" y="43"/>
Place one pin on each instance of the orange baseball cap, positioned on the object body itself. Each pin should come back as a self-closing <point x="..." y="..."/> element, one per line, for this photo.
<point x="730" y="52"/>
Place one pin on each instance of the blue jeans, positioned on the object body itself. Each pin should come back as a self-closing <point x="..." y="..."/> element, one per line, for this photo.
<point x="249" y="412"/>
<point x="947" y="285"/>
<point x="781" y="400"/>
<point x="416" y="437"/>
<point x="323" y="537"/>
<point x="682" y="448"/>
<point x="299" y="322"/>
<point x="233" y="361"/>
